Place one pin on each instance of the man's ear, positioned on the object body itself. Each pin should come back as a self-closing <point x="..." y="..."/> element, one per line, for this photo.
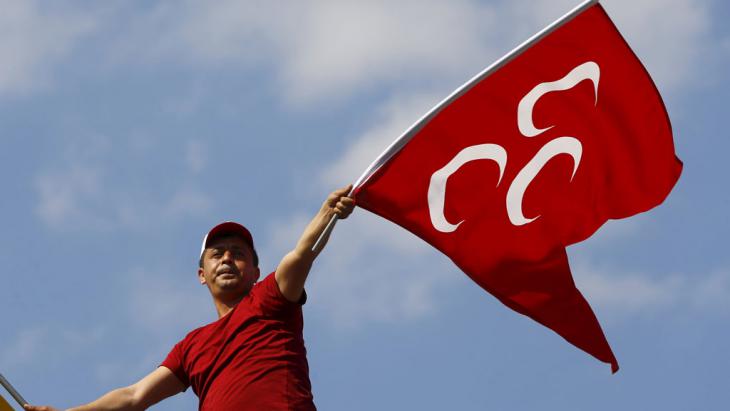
<point x="257" y="274"/>
<point x="201" y="276"/>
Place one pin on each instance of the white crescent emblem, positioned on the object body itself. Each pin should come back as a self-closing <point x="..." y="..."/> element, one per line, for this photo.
<point x="561" y="145"/>
<point x="586" y="71"/>
<point x="516" y="191"/>
<point x="437" y="186"/>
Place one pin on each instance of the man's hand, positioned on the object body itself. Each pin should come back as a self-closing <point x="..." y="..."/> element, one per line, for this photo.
<point x="294" y="267"/>
<point x="339" y="203"/>
<point x="29" y="407"/>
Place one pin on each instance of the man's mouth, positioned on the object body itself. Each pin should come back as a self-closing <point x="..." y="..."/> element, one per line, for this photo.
<point x="226" y="273"/>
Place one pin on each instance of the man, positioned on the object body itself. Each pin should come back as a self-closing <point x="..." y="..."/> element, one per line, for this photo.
<point x="253" y="356"/>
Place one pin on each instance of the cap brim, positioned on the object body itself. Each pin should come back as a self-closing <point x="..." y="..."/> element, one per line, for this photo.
<point x="227" y="227"/>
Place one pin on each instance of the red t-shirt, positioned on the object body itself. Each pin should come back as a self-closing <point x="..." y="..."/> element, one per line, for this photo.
<point x="251" y="359"/>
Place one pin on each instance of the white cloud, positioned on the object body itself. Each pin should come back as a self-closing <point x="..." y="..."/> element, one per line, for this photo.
<point x="325" y="50"/>
<point x="80" y="192"/>
<point x="186" y="202"/>
<point x="616" y="230"/>
<point x="320" y="49"/>
<point x="165" y="305"/>
<point x="25" y="346"/>
<point x="64" y="193"/>
<point x="672" y="39"/>
<point x="712" y="292"/>
<point x="196" y="154"/>
<point x="393" y="118"/>
<point x="332" y="50"/>
<point x="344" y="47"/>
<point x="33" y="37"/>
<point x="39" y="343"/>
<point x="619" y="292"/>
<point x="626" y="292"/>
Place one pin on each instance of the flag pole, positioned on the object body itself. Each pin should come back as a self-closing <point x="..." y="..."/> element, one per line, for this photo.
<point x="401" y="141"/>
<point x="15" y="394"/>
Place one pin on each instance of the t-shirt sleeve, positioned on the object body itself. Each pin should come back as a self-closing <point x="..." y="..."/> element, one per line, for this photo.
<point x="174" y="362"/>
<point x="273" y="302"/>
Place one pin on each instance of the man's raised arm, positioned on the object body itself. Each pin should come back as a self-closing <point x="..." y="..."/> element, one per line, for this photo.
<point x="292" y="272"/>
<point x="155" y="387"/>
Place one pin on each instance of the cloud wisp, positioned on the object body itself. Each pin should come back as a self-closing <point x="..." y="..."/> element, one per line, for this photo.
<point x="82" y="190"/>
<point x="33" y="40"/>
<point x="324" y="51"/>
<point x="31" y="345"/>
<point x="620" y="292"/>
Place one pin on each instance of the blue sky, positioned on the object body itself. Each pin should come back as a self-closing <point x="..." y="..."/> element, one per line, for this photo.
<point x="127" y="129"/>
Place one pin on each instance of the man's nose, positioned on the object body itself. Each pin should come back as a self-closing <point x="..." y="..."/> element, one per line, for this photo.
<point x="227" y="256"/>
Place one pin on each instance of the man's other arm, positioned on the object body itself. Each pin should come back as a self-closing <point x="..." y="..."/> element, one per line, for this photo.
<point x="155" y="387"/>
<point x="291" y="274"/>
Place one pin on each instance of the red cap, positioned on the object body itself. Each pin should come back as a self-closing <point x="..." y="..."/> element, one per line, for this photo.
<point x="227" y="227"/>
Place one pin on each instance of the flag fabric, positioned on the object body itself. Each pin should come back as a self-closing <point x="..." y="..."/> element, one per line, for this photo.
<point x="528" y="159"/>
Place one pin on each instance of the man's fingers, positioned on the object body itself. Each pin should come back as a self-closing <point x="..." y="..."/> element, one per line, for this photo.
<point x="345" y="203"/>
<point x="340" y="197"/>
<point x="343" y="191"/>
<point x="344" y="207"/>
<point x="340" y="192"/>
<point x="29" y="407"/>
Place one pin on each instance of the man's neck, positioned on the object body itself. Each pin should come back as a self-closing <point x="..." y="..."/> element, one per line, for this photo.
<point x="223" y="307"/>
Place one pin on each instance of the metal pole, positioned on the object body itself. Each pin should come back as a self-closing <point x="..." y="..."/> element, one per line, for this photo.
<point x="15" y="394"/>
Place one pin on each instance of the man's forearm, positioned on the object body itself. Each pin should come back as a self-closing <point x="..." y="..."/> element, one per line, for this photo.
<point x="153" y="388"/>
<point x="311" y="234"/>
<point x="293" y="270"/>
<point x="119" y="399"/>
<point x="294" y="267"/>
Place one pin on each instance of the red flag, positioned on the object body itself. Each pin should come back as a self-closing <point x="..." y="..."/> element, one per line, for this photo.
<point x="532" y="155"/>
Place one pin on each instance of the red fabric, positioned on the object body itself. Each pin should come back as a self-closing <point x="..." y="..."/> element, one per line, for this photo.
<point x="628" y="165"/>
<point x="251" y="359"/>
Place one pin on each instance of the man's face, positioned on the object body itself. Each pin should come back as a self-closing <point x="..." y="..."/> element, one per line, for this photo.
<point x="228" y="268"/>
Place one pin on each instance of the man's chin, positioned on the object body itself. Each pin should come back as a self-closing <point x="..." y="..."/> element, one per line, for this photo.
<point x="229" y="283"/>
<point x="232" y="285"/>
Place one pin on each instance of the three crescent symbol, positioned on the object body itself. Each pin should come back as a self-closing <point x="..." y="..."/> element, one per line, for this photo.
<point x="495" y="152"/>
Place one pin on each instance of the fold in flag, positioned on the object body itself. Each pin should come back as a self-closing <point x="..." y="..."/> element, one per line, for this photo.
<point x="530" y="156"/>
